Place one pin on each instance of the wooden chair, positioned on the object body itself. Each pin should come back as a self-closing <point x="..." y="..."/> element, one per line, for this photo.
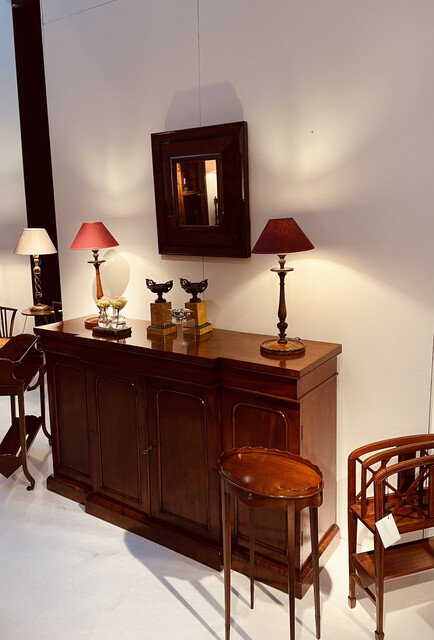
<point x="7" y="320"/>
<point x="394" y="476"/>
<point x="260" y="477"/>
<point x="20" y="363"/>
<point x="58" y="311"/>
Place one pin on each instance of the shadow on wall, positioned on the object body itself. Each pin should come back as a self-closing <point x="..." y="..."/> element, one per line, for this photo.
<point x="222" y="105"/>
<point x="115" y="273"/>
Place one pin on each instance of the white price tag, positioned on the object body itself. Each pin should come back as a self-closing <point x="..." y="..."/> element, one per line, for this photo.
<point x="388" y="530"/>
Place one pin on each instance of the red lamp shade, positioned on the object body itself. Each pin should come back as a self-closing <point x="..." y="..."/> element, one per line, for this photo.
<point x="93" y="235"/>
<point x="282" y="235"/>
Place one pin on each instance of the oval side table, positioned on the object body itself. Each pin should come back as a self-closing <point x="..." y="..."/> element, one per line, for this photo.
<point x="261" y="477"/>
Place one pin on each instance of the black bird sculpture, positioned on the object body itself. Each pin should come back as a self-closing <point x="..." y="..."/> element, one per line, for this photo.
<point x="159" y="288"/>
<point x="193" y="288"/>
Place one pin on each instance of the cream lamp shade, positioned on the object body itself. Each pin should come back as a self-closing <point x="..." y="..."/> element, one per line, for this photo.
<point x="34" y="242"/>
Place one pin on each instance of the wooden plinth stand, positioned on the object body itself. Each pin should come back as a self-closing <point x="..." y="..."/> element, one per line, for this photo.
<point x="161" y="320"/>
<point x="198" y="324"/>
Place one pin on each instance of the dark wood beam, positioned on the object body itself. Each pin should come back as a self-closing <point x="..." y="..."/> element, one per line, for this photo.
<point x="35" y="136"/>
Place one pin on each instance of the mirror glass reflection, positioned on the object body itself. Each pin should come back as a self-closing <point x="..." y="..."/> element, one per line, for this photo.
<point x="198" y="195"/>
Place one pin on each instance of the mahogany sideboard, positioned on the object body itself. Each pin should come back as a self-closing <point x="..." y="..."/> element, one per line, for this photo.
<point x="138" y="425"/>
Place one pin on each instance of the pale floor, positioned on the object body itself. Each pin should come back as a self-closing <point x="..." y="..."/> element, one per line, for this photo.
<point x="66" y="575"/>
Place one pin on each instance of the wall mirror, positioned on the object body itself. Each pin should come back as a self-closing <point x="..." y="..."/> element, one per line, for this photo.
<point x="201" y="191"/>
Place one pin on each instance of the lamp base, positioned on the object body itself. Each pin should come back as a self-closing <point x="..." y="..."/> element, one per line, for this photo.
<point x="91" y="322"/>
<point x="292" y="347"/>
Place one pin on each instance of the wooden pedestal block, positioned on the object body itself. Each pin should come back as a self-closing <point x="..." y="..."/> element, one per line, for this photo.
<point x="161" y="319"/>
<point x="198" y="324"/>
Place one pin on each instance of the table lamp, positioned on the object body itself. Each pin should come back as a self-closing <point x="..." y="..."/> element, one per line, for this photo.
<point x="94" y="236"/>
<point x="36" y="242"/>
<point x="282" y="236"/>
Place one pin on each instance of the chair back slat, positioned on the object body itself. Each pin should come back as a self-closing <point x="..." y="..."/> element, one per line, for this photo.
<point x="58" y="311"/>
<point x="412" y="508"/>
<point x="431" y="493"/>
<point x="7" y="320"/>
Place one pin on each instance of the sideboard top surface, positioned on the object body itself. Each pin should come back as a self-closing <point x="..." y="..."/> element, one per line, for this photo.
<point x="235" y="348"/>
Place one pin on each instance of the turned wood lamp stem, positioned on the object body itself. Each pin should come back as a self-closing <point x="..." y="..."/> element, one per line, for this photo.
<point x="96" y="262"/>
<point x="282" y="325"/>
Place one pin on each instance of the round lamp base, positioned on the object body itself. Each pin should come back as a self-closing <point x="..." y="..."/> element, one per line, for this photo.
<point x="91" y="322"/>
<point x="291" y="347"/>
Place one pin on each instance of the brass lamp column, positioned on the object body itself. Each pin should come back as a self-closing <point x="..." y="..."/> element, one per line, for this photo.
<point x="282" y="236"/>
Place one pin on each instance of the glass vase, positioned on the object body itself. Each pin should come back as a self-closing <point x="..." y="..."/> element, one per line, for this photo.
<point x="117" y="320"/>
<point x="103" y="318"/>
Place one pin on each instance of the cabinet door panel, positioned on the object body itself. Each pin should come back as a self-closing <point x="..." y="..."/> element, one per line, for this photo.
<point x="118" y="434"/>
<point x="183" y="461"/>
<point x="71" y="450"/>
<point x="270" y="426"/>
<point x="251" y="419"/>
<point x="117" y="416"/>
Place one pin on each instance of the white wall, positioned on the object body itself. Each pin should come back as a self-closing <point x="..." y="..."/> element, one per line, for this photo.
<point x="15" y="274"/>
<point x="339" y="101"/>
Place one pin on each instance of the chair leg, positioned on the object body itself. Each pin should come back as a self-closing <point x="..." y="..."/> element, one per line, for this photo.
<point x="379" y="584"/>
<point x="226" y="519"/>
<point x="252" y="555"/>
<point x="13" y="408"/>
<point x="290" y="516"/>
<point x="42" y="403"/>
<point x="23" y="445"/>
<point x="352" y="544"/>
<point x="313" y="517"/>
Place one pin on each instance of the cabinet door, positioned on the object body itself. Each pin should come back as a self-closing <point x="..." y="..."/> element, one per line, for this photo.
<point x="185" y="445"/>
<point x="250" y="419"/>
<point x="118" y="426"/>
<point x="69" y="420"/>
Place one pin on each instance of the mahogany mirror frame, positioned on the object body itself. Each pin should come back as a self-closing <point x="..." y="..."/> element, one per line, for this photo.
<point x="228" y="235"/>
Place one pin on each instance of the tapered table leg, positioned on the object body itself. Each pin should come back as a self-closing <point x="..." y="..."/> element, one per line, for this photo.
<point x="313" y="516"/>
<point x="226" y="508"/>
<point x="252" y="556"/>
<point x="290" y="512"/>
